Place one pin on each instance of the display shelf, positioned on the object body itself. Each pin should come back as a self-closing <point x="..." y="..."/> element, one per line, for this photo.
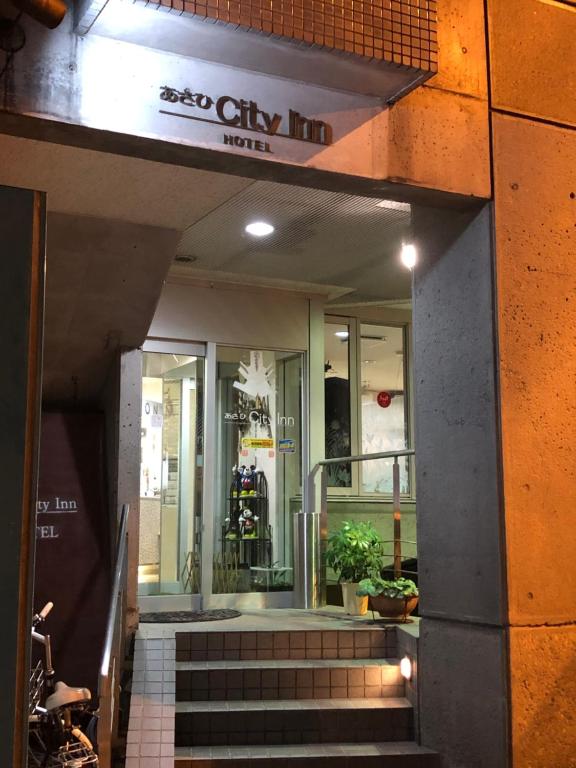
<point x="248" y="513"/>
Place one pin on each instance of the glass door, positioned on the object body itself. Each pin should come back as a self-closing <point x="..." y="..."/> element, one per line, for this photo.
<point x="221" y="474"/>
<point x="171" y="473"/>
<point x="258" y="470"/>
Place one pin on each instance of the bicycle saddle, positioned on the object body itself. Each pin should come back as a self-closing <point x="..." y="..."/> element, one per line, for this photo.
<point x="64" y="695"/>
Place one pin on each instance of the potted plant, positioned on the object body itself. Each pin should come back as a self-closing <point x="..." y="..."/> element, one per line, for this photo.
<point x="391" y="598"/>
<point x="354" y="553"/>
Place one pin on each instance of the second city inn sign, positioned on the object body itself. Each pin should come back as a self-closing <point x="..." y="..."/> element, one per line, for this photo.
<point x="246" y="115"/>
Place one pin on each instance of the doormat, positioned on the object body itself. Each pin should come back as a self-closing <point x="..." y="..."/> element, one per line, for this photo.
<point x="179" y="617"/>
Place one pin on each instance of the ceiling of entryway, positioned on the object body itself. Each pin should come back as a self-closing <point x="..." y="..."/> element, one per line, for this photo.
<point x="324" y="238"/>
<point x="115" y="225"/>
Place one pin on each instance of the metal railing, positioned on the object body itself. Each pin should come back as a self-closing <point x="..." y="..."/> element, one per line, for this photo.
<point x="311" y="528"/>
<point x="111" y="666"/>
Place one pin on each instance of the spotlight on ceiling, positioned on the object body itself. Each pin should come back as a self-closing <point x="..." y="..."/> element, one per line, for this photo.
<point x="342" y="334"/>
<point x="259" y="228"/>
<point x="408" y="255"/>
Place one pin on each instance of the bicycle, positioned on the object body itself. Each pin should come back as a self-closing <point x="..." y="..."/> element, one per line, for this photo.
<point x="55" y="736"/>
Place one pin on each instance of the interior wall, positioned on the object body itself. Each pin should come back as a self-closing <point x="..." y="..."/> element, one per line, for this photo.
<point x="233" y="315"/>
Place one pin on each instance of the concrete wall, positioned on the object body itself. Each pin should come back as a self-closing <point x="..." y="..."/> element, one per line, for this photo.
<point x="495" y="372"/>
<point x="533" y="74"/>
<point x="438" y="135"/>
<point x="436" y="138"/>
<point x="103" y="281"/>
<point x="495" y="368"/>
<point x="462" y="662"/>
<point x="128" y="455"/>
<point x="22" y="300"/>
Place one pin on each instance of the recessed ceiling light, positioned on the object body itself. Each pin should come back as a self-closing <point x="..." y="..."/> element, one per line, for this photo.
<point x="342" y="334"/>
<point x="392" y="205"/>
<point x="259" y="228"/>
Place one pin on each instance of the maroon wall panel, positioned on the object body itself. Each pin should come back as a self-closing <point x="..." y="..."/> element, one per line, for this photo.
<point x="73" y="543"/>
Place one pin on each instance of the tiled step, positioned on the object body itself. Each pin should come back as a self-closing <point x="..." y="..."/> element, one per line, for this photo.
<point x="216" y="723"/>
<point x="403" y="754"/>
<point x="288" y="679"/>
<point x="354" y="643"/>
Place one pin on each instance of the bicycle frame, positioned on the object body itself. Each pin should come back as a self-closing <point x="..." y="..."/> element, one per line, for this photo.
<point x="54" y="739"/>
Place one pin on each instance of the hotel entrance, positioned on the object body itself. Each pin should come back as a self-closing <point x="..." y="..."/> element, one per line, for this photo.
<point x="220" y="474"/>
<point x="251" y="376"/>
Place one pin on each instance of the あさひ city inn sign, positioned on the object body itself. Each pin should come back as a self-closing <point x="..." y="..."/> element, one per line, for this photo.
<point x="247" y="115"/>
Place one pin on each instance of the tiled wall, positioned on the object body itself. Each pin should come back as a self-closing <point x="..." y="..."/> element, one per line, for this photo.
<point x="247" y="646"/>
<point x="367" y="680"/>
<point x="152" y="705"/>
<point x="402" y="32"/>
<point x="293" y="722"/>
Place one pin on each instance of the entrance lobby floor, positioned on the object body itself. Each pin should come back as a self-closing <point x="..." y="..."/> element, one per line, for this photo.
<point x="278" y="620"/>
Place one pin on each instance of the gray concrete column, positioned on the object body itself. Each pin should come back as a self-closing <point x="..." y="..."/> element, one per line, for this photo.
<point x="463" y="647"/>
<point x="129" y="414"/>
<point x="22" y="300"/>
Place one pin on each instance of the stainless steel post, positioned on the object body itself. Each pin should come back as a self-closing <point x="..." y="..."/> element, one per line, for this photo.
<point x="397" y="519"/>
<point x="307" y="571"/>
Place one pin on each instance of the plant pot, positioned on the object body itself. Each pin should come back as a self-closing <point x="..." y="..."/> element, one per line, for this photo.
<point x="393" y="607"/>
<point x="353" y="604"/>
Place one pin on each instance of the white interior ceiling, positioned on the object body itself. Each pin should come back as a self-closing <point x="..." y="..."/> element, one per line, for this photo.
<point x="323" y="238"/>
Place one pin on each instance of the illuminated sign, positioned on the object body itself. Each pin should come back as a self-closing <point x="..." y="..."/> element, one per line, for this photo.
<point x="246" y="115"/>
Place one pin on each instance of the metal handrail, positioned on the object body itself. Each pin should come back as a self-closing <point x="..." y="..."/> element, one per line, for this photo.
<point x="108" y="680"/>
<point x="368" y="457"/>
<point x="121" y="551"/>
<point x="310" y="584"/>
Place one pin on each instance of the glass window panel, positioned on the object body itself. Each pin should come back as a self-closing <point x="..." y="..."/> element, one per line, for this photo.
<point x="259" y="468"/>
<point x="337" y="402"/>
<point x="383" y="405"/>
<point x="170" y="474"/>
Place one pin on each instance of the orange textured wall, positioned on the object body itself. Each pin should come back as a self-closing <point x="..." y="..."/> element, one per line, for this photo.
<point x="439" y="134"/>
<point x="535" y="198"/>
<point x="543" y="684"/>
<point x="533" y="59"/>
<point x="535" y="191"/>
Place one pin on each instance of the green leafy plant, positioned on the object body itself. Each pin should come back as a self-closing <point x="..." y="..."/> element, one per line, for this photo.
<point x="355" y="552"/>
<point x="395" y="588"/>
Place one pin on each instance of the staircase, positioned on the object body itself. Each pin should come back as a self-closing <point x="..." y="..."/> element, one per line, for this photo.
<point x="300" y="698"/>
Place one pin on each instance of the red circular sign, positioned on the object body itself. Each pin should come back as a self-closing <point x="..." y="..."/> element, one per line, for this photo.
<point x="384" y="399"/>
